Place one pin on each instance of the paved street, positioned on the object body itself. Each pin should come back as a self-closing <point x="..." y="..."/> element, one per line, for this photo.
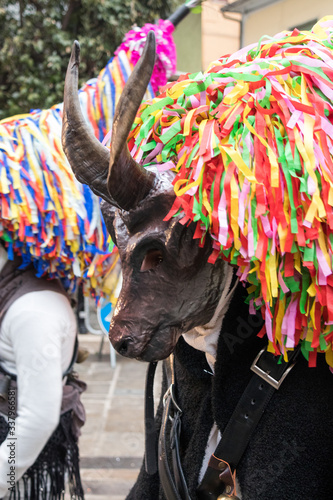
<point x="111" y="445"/>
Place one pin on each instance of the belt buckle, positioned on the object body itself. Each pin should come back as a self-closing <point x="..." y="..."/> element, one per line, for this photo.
<point x="266" y="376"/>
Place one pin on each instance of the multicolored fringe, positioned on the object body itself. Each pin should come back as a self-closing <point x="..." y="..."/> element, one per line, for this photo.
<point x="47" y="217"/>
<point x="251" y="144"/>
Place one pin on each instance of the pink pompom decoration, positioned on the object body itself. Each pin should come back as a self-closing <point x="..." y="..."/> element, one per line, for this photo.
<point x="134" y="42"/>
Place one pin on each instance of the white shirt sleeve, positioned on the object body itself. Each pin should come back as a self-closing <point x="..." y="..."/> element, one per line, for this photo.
<point x="38" y="325"/>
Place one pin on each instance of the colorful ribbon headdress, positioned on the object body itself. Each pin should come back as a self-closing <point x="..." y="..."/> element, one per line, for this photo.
<point x="251" y="144"/>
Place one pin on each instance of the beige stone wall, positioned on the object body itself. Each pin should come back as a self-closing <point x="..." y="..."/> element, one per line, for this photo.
<point x="283" y="15"/>
<point x="202" y="38"/>
<point x="219" y="36"/>
<point x="187" y="38"/>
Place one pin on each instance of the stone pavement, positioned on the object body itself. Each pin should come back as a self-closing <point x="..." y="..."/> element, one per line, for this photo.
<point x="112" y="440"/>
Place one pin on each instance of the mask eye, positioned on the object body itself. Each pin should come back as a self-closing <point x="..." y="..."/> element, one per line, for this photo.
<point x="151" y="260"/>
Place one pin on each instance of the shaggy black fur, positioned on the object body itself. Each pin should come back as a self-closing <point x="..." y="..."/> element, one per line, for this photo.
<point x="290" y="455"/>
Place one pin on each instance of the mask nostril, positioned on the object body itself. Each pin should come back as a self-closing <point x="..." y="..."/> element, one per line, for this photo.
<point x="123" y="346"/>
<point x="122" y="349"/>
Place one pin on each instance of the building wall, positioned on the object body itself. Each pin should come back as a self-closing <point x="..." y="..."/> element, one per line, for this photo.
<point x="219" y="35"/>
<point x="187" y="38"/>
<point x="202" y="38"/>
<point x="283" y="15"/>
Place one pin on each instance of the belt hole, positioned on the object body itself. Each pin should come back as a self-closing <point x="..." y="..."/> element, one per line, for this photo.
<point x="261" y="386"/>
<point x="253" y="401"/>
<point x="246" y="416"/>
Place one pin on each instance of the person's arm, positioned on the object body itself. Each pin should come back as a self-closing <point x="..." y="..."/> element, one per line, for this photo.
<point x="36" y="338"/>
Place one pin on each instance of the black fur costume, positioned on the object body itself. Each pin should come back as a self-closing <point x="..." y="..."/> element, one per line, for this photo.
<point x="290" y="455"/>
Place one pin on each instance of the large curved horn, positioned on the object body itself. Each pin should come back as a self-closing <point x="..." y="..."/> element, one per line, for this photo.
<point x="116" y="177"/>
<point x="88" y="158"/>
<point x="128" y="182"/>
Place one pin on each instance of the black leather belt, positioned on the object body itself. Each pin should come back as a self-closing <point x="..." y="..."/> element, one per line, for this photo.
<point x="269" y="372"/>
<point x="150" y="431"/>
<point x="174" y="486"/>
<point x="173" y="483"/>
